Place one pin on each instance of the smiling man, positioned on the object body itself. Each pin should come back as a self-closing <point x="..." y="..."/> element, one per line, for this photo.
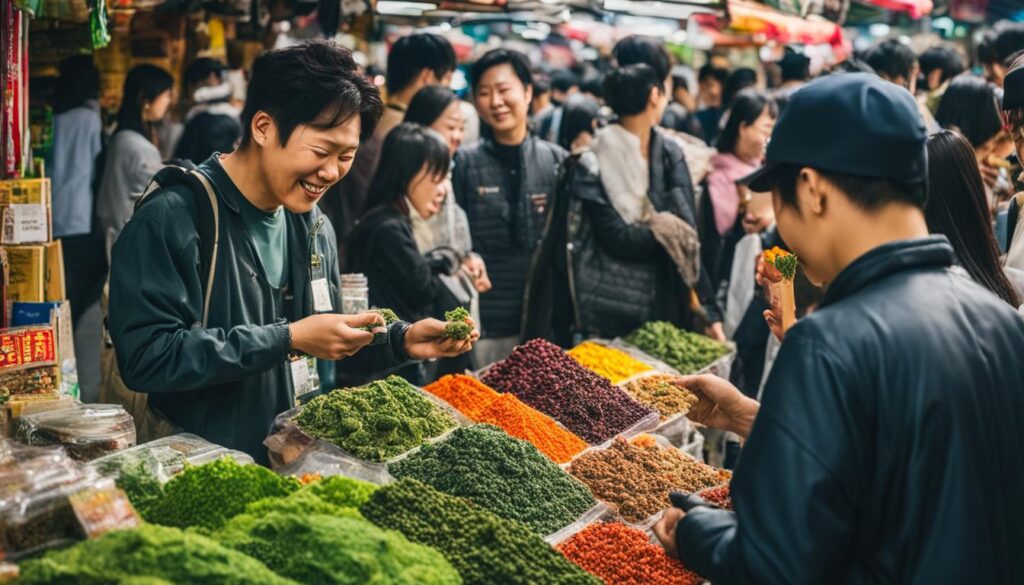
<point x="216" y="362"/>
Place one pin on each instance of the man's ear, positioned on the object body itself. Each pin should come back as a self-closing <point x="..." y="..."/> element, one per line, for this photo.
<point x="263" y="129"/>
<point x="812" y="191"/>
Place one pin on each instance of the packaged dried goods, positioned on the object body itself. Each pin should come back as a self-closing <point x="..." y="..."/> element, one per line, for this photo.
<point x="47" y="501"/>
<point x="719" y="496"/>
<point x="87" y="431"/>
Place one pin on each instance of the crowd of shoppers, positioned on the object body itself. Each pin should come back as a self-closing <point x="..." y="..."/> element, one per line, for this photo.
<point x="595" y="199"/>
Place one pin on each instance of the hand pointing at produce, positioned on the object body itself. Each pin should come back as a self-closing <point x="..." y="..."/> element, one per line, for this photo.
<point x="426" y="340"/>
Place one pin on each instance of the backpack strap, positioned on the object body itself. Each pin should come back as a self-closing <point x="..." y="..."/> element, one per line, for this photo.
<point x="207" y="219"/>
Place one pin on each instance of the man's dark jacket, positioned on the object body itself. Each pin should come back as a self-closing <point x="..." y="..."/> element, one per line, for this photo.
<point x="889" y="446"/>
<point x="226" y="382"/>
<point x="505" y="234"/>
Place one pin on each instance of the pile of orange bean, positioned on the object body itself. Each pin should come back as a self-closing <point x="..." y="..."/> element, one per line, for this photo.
<point x="483" y="405"/>
<point x="621" y="555"/>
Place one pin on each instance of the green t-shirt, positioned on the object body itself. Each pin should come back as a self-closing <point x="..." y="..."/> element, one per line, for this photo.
<point x="269" y="231"/>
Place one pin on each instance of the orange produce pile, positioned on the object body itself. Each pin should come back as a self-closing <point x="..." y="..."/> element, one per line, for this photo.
<point x="484" y="405"/>
<point x="621" y="555"/>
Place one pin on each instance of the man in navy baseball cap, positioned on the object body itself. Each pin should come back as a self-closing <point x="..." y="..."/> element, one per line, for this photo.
<point x="862" y="463"/>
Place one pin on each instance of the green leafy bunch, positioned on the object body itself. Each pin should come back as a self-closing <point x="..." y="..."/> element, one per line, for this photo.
<point x="685" y="351"/>
<point x="208" y="495"/>
<point x="787" y="265"/>
<point x="483" y="548"/>
<point x="375" y="422"/>
<point x="456" y="326"/>
<point x="148" y="555"/>
<point x="343" y="550"/>
<point x="505" y="475"/>
<point x="389" y="318"/>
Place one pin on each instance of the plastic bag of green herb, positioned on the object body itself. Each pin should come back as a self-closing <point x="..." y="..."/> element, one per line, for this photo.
<point x="149" y="554"/>
<point x="482" y="547"/>
<point x="456" y="326"/>
<point x="685" y="351"/>
<point x="318" y="548"/>
<point x="375" y="422"/>
<point x="208" y="495"/>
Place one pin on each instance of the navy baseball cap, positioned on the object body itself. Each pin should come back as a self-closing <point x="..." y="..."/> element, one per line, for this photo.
<point x="848" y="123"/>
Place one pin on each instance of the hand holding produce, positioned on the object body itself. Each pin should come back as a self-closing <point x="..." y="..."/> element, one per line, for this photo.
<point x="330" y="336"/>
<point x="387" y="315"/>
<point x="426" y="340"/>
<point x="458" y="325"/>
<point x="665" y="530"/>
<point x="779" y="270"/>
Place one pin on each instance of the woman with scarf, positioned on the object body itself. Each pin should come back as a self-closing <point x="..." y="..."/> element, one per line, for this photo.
<point x="632" y="244"/>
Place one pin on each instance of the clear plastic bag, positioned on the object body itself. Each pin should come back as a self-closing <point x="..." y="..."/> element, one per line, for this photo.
<point x="87" y="431"/>
<point x="166" y="457"/>
<point x="48" y="501"/>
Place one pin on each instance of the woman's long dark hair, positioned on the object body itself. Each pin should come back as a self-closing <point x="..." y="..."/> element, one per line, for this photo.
<point x="970" y="106"/>
<point x="579" y="114"/>
<point x="143" y="84"/>
<point x="746" y="108"/>
<point x="78" y="83"/>
<point x="428" y="104"/>
<point x="958" y="209"/>
<point x="406" y="150"/>
<point x="737" y="81"/>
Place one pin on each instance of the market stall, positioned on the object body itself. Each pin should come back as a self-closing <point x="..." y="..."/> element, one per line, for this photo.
<point x="529" y="471"/>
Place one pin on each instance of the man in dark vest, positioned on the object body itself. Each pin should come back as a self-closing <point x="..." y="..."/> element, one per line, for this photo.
<point x="504" y="183"/>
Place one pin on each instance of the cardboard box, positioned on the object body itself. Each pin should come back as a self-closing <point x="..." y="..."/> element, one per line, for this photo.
<point x="57" y="314"/>
<point x="27" y="215"/>
<point x="36" y="273"/>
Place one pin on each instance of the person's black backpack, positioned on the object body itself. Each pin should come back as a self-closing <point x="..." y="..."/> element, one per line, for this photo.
<point x="148" y="423"/>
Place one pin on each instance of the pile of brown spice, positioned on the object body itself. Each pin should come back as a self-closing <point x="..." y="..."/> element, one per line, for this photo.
<point x="637" y="476"/>
<point x="663" y="392"/>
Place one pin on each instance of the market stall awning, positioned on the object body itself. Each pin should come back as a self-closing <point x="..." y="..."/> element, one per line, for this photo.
<point x="758" y="19"/>
<point x="915" y="8"/>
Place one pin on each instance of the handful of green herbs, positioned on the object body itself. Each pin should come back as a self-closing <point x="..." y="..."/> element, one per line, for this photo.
<point x="456" y="326"/>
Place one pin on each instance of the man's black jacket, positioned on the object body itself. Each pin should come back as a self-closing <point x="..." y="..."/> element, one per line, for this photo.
<point x="889" y="446"/>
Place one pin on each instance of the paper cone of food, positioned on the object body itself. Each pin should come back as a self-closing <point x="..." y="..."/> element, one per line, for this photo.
<point x="780" y="268"/>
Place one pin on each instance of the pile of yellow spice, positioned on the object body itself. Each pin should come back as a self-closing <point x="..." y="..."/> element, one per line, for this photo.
<point x="605" y="361"/>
